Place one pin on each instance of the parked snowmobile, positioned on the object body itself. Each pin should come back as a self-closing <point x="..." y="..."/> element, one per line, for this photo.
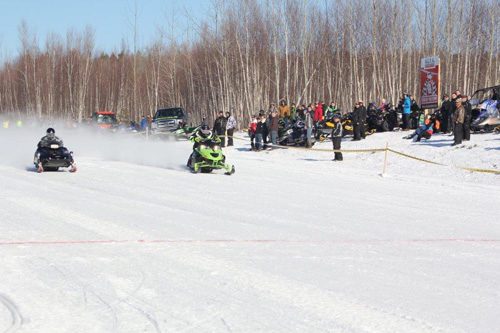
<point x="391" y="116"/>
<point x="485" y="105"/>
<point x="377" y="120"/>
<point x="295" y="135"/>
<point x="207" y="156"/>
<point x="489" y="118"/>
<point x="347" y="127"/>
<point x="324" y="129"/>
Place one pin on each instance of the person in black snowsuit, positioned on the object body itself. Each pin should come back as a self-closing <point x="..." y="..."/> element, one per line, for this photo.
<point x="467" y="117"/>
<point x="337" y="137"/>
<point x="356" y="119"/>
<point x="220" y="127"/>
<point x="50" y="138"/>
<point x="446" y="108"/>
<point x="363" y="115"/>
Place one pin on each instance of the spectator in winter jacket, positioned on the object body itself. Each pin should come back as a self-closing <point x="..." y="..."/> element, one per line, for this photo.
<point x="273" y="127"/>
<point x="252" y="129"/>
<point x="284" y="110"/>
<point x="330" y="111"/>
<point x="220" y="127"/>
<point x="467" y="117"/>
<point x="453" y="108"/>
<point x="382" y="104"/>
<point x="293" y="112"/>
<point x="204" y="119"/>
<point x="300" y="112"/>
<point x="356" y="120"/>
<point x="230" y="127"/>
<point x="406" y="111"/>
<point x="318" y="113"/>
<point x="143" y="123"/>
<point x="446" y="108"/>
<point x="426" y="131"/>
<point x="337" y="137"/>
<point x="272" y="107"/>
<point x="323" y="109"/>
<point x="458" y="122"/>
<point x="362" y="114"/>
<point x="414" y="106"/>
<point x="259" y="130"/>
<point x="308" y="122"/>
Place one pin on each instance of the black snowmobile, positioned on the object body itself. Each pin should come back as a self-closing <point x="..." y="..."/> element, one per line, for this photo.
<point x="53" y="157"/>
<point x="348" y="127"/>
<point x="324" y="129"/>
<point x="378" y="119"/>
<point x="295" y="135"/>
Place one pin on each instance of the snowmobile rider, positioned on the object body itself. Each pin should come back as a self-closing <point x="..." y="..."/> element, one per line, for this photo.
<point x="50" y="138"/>
<point x="203" y="134"/>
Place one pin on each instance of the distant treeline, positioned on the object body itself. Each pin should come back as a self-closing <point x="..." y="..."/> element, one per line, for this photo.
<point x="250" y="53"/>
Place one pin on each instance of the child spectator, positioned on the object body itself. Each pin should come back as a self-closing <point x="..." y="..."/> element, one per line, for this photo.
<point x="252" y="128"/>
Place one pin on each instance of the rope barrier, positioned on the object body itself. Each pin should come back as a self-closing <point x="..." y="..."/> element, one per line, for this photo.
<point x="376" y="150"/>
<point x="380" y="150"/>
<point x="413" y="157"/>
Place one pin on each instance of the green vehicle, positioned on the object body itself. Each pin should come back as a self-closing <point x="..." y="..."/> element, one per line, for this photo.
<point x="207" y="156"/>
<point x="185" y="131"/>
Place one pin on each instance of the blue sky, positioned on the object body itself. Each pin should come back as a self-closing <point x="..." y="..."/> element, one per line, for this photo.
<point x="107" y="17"/>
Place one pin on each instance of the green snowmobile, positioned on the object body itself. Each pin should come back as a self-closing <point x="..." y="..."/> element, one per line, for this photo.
<point x="207" y="155"/>
<point x="185" y="131"/>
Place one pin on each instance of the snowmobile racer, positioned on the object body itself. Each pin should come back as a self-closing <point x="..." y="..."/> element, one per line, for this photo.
<point x="207" y="153"/>
<point x="52" y="155"/>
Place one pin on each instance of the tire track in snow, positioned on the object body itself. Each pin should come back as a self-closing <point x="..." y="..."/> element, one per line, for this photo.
<point x="16" y="318"/>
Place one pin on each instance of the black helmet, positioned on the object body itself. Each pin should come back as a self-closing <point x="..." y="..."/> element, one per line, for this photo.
<point x="205" y="130"/>
<point x="50" y="132"/>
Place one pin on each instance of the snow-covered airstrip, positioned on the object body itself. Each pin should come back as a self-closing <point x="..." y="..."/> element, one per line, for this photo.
<point x="292" y="242"/>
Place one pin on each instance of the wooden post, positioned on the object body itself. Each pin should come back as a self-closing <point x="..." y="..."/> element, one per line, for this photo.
<point x="385" y="158"/>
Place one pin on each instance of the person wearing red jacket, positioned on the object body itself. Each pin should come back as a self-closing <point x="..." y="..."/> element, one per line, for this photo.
<point x="252" y="129"/>
<point x="318" y="112"/>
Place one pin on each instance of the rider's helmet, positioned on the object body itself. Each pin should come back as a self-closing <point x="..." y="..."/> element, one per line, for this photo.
<point x="205" y="130"/>
<point x="51" y="132"/>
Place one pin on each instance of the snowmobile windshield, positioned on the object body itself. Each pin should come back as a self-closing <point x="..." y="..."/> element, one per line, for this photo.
<point x="209" y="144"/>
<point x="173" y="113"/>
<point x="483" y="95"/>
<point x="106" y="119"/>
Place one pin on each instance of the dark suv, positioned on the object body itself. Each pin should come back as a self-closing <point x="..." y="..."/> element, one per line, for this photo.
<point x="169" y="119"/>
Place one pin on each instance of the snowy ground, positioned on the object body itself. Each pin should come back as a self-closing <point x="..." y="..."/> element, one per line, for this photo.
<point x="292" y="242"/>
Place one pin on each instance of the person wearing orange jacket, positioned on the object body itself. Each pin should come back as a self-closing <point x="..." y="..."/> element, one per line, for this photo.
<point x="283" y="109"/>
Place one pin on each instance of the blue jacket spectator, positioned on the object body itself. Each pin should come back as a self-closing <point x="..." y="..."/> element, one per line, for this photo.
<point x="407" y="105"/>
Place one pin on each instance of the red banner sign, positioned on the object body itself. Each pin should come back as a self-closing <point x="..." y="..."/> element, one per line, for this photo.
<point x="429" y="82"/>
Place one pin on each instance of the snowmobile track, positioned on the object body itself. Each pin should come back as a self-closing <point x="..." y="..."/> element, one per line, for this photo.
<point x="17" y="320"/>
